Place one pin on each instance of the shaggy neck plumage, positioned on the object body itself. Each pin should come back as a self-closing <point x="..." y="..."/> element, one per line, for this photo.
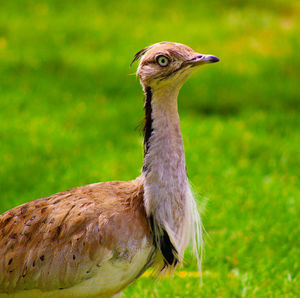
<point x="164" y="171"/>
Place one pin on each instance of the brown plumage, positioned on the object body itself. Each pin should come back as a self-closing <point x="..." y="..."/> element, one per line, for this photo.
<point x="95" y="240"/>
<point x="79" y="228"/>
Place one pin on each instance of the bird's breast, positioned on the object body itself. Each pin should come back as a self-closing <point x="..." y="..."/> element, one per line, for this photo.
<point x="109" y="278"/>
<point x="115" y="274"/>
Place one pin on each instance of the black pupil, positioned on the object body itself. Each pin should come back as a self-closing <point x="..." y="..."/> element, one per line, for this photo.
<point x="163" y="61"/>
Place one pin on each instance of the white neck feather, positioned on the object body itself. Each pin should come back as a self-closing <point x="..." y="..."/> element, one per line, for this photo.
<point x="167" y="193"/>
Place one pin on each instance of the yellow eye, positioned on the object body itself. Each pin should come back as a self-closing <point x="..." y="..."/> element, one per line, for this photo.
<point x="162" y="61"/>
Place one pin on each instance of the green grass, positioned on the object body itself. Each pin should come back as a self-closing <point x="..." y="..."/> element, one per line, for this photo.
<point x="69" y="112"/>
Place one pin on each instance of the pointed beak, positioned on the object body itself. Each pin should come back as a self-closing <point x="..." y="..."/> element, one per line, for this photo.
<point x="210" y="59"/>
<point x="201" y="59"/>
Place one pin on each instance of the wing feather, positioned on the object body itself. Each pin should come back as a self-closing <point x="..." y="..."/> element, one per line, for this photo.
<point x="59" y="241"/>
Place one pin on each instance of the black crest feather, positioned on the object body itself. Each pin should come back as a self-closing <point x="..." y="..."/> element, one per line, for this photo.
<point x="139" y="54"/>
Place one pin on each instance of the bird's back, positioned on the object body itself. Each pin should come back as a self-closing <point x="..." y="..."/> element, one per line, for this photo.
<point x="87" y="240"/>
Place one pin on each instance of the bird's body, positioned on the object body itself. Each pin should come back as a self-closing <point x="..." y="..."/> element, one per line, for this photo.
<point x="88" y="240"/>
<point x="96" y="239"/>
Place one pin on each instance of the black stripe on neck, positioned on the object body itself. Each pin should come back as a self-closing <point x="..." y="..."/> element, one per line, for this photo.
<point x="148" y="119"/>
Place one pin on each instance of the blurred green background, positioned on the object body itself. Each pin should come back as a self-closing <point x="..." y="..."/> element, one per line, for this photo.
<point x="69" y="111"/>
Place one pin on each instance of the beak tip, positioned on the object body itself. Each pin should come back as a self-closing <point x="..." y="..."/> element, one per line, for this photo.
<point x="212" y="59"/>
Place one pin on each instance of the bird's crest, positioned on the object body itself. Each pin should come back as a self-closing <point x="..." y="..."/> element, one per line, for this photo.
<point x="138" y="55"/>
<point x="143" y="51"/>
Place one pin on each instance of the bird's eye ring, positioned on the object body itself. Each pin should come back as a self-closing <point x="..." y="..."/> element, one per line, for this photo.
<point x="162" y="60"/>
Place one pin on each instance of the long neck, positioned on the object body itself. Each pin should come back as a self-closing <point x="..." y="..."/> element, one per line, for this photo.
<point x="166" y="184"/>
<point x="162" y="127"/>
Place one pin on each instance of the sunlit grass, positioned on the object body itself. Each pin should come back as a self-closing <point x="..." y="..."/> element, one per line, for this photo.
<point x="69" y="111"/>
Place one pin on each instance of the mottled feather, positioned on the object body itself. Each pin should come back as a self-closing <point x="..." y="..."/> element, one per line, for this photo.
<point x="59" y="241"/>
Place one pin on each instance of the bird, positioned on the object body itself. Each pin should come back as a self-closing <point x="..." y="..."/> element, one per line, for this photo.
<point x="95" y="240"/>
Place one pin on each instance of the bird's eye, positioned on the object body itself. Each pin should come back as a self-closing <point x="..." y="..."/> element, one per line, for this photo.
<point x="162" y="61"/>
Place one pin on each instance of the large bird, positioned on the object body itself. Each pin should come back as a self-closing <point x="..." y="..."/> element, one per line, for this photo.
<point x="96" y="239"/>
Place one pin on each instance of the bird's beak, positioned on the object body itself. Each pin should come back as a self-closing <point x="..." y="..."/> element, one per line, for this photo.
<point x="209" y="59"/>
<point x="200" y="59"/>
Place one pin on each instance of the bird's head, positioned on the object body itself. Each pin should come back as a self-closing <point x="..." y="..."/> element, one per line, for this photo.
<point x="168" y="64"/>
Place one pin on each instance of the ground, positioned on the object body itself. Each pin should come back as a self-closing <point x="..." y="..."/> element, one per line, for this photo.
<point x="69" y="111"/>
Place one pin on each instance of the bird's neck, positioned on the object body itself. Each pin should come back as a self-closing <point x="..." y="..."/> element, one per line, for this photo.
<point x="162" y="124"/>
<point x="165" y="180"/>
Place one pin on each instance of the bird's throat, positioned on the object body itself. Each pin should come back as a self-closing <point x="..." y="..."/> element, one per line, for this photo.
<point x="161" y="109"/>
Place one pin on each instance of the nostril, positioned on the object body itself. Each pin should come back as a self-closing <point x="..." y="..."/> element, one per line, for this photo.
<point x="198" y="57"/>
